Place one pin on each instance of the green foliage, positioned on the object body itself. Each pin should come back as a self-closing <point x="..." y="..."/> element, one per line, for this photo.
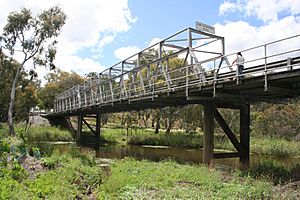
<point x="191" y="118"/>
<point x="280" y="121"/>
<point x="33" y="37"/>
<point x="47" y="133"/>
<point x="274" y="147"/>
<point x="69" y="176"/>
<point x="174" y="140"/>
<point x="12" y="189"/>
<point x="25" y="93"/>
<point x="56" y="83"/>
<point x="272" y="171"/>
<point x="132" y="179"/>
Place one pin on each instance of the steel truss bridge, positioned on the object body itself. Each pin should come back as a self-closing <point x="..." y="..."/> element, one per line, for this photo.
<point x="191" y="67"/>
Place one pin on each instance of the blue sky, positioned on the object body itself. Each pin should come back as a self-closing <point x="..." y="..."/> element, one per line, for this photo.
<point x="160" y="19"/>
<point x="98" y="33"/>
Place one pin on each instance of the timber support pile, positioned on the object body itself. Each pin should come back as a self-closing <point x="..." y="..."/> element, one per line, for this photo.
<point x="242" y="146"/>
<point x="82" y="120"/>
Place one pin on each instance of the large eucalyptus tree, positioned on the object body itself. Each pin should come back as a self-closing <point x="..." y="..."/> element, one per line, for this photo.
<point x="33" y="39"/>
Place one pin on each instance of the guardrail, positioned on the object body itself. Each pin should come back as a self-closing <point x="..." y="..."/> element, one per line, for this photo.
<point x="187" y="59"/>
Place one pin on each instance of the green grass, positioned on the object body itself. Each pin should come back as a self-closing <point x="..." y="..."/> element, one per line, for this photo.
<point x="69" y="176"/>
<point x="39" y="133"/>
<point x="131" y="179"/>
<point x="275" y="147"/>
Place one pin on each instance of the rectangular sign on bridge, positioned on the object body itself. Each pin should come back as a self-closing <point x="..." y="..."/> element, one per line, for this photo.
<point x="205" y="28"/>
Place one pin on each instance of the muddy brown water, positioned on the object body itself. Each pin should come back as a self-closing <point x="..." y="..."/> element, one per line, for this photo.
<point x="160" y="153"/>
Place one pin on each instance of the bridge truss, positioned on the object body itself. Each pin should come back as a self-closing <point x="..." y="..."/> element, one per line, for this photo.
<point x="190" y="67"/>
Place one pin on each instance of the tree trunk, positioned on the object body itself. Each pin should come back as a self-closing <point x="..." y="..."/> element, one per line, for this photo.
<point x="12" y="102"/>
<point x="169" y="126"/>
<point x="157" y="123"/>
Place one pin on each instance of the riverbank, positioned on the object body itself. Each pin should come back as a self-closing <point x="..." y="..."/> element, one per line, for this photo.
<point x="131" y="179"/>
<point x="28" y="173"/>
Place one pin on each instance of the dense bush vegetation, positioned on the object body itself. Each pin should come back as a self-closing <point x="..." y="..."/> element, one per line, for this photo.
<point x="68" y="176"/>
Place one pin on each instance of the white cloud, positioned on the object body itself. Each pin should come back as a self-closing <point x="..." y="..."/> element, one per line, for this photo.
<point x="154" y="41"/>
<point x="91" y="24"/>
<point x="124" y="52"/>
<point x="266" y="10"/>
<point x="240" y="35"/>
<point x="228" y="6"/>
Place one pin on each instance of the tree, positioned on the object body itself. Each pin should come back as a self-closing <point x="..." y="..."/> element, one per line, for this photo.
<point x="25" y="92"/>
<point x="33" y="38"/>
<point x="57" y="83"/>
<point x="7" y="72"/>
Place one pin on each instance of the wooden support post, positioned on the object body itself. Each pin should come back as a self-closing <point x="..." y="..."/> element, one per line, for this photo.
<point x="245" y="136"/>
<point x="98" y="127"/>
<point x="79" y="127"/>
<point x="208" y="137"/>
<point x="97" y="131"/>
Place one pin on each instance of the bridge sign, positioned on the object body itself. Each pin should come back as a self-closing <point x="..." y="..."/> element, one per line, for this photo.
<point x="205" y="28"/>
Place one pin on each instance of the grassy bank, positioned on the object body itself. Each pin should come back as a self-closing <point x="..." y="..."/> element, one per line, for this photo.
<point x="25" y="176"/>
<point x="264" y="146"/>
<point x="131" y="179"/>
<point x="39" y="133"/>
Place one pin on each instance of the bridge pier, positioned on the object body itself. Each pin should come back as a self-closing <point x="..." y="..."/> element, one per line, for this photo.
<point x="96" y="131"/>
<point x="98" y="127"/>
<point x="79" y="127"/>
<point x="242" y="146"/>
<point x="245" y="136"/>
<point x="208" y="135"/>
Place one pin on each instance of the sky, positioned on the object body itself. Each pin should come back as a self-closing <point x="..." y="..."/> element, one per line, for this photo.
<point x="99" y="33"/>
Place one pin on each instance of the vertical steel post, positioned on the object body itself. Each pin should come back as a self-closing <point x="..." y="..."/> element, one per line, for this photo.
<point x="266" y="70"/>
<point x="245" y="135"/>
<point x="208" y="136"/>
<point x="190" y="45"/>
<point x="84" y="93"/>
<point x="92" y="92"/>
<point x="111" y="86"/>
<point x="122" y="83"/>
<point x="140" y="74"/>
<point x="289" y="63"/>
<point x="100" y="87"/>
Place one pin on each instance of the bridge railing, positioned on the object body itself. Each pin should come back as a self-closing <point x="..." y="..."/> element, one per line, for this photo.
<point x="180" y="62"/>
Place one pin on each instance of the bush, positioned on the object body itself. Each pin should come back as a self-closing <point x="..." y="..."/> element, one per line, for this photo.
<point x="280" y="121"/>
<point x="44" y="133"/>
<point x="271" y="171"/>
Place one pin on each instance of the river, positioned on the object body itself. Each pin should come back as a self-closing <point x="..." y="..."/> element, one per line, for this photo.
<point x="159" y="153"/>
